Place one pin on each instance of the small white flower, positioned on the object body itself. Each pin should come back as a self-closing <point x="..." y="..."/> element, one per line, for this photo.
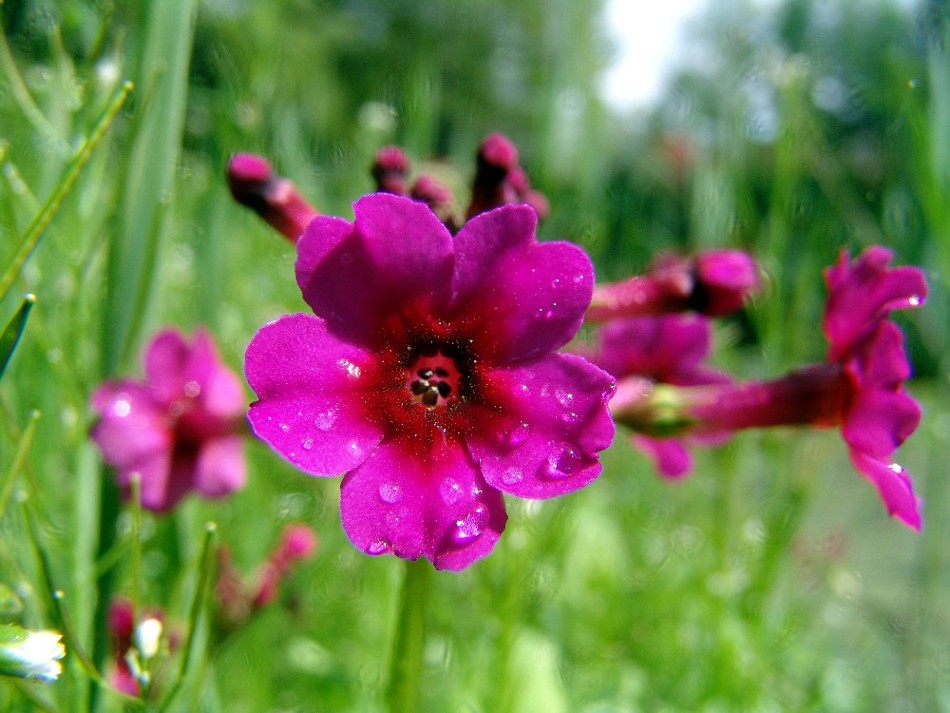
<point x="148" y="636"/>
<point x="30" y="654"/>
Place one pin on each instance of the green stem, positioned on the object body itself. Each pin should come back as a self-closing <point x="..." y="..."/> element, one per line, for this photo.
<point x="405" y="668"/>
<point x="41" y="220"/>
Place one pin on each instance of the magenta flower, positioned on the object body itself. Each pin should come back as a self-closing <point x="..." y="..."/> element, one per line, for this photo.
<point x="274" y="198"/>
<point x="641" y="352"/>
<point x="859" y="389"/>
<point x="714" y="283"/>
<point x="180" y="429"/>
<point x="427" y="375"/>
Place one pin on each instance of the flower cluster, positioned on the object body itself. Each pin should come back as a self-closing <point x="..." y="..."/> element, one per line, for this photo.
<point x="859" y="388"/>
<point x="429" y="374"/>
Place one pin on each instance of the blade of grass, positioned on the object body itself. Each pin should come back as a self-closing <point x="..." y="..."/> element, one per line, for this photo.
<point x="14" y="330"/>
<point x="42" y="219"/>
<point x="205" y="566"/>
<point x="23" y="447"/>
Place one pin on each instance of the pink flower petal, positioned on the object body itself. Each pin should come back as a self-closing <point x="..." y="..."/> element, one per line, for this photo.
<point x="220" y="468"/>
<point x="670" y="457"/>
<point x="879" y="421"/>
<point x="668" y="349"/>
<point x="309" y="384"/>
<point x="534" y="294"/>
<point x="165" y="362"/>
<point x="436" y="506"/>
<point x="893" y="484"/>
<point x="864" y="292"/>
<point x="132" y="427"/>
<point x="215" y="387"/>
<point x="357" y="276"/>
<point x="547" y="445"/>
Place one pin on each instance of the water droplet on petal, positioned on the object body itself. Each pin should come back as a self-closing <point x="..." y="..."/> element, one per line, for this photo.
<point x="556" y="282"/>
<point x="578" y="279"/>
<point x="354" y="449"/>
<point x="450" y="491"/>
<point x="325" y="419"/>
<point x="390" y="492"/>
<point x="569" y="417"/>
<point x="914" y="301"/>
<point x="284" y="427"/>
<point x="896" y="467"/>
<point x="515" y="435"/>
<point x="307" y="444"/>
<point x="377" y="547"/>
<point x="564" y="464"/>
<point x="512" y="476"/>
<point x="472" y="525"/>
<point x="192" y="389"/>
<point x="565" y="398"/>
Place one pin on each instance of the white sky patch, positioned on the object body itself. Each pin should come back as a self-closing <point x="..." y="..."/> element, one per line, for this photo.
<point x="649" y="37"/>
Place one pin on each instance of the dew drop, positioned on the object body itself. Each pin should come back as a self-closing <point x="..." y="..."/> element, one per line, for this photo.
<point x="556" y="282"/>
<point x="512" y="476"/>
<point x="390" y="492"/>
<point x="569" y="417"/>
<point x="471" y="526"/>
<point x="514" y="436"/>
<point x="896" y="467"/>
<point x="192" y="389"/>
<point x="564" y="464"/>
<point x="377" y="547"/>
<point x="284" y="427"/>
<point x="578" y="279"/>
<point x="307" y="444"/>
<point x="565" y="398"/>
<point x="354" y="449"/>
<point x="450" y="491"/>
<point x="914" y="301"/>
<point x="325" y="419"/>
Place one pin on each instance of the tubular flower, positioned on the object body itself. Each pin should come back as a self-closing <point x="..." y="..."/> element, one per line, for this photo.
<point x="642" y="352"/>
<point x="860" y="388"/>
<point x="427" y="375"/>
<point x="714" y="283"/>
<point x="274" y="198"/>
<point x="180" y="429"/>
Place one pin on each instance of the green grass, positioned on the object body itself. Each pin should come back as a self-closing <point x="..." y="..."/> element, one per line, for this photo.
<point x="771" y="580"/>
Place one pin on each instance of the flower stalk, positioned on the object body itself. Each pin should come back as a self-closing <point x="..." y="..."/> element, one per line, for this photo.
<point x="405" y="669"/>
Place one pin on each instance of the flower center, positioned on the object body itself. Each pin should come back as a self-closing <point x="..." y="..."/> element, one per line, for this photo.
<point x="434" y="380"/>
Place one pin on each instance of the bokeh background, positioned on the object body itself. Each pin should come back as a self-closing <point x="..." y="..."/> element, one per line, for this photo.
<point x="771" y="580"/>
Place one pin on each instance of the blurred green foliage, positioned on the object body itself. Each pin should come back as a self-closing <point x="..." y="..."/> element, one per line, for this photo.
<point x="770" y="581"/>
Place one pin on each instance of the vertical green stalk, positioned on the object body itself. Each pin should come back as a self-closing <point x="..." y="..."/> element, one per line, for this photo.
<point x="405" y="668"/>
<point x="146" y="185"/>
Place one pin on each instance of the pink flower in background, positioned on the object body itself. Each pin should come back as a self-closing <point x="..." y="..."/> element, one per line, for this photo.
<point x="180" y="429"/>
<point x="860" y="388"/>
<point x="641" y="352"/>
<point x="714" y="283"/>
<point x="879" y="415"/>
<point x="239" y="599"/>
<point x="428" y="375"/>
